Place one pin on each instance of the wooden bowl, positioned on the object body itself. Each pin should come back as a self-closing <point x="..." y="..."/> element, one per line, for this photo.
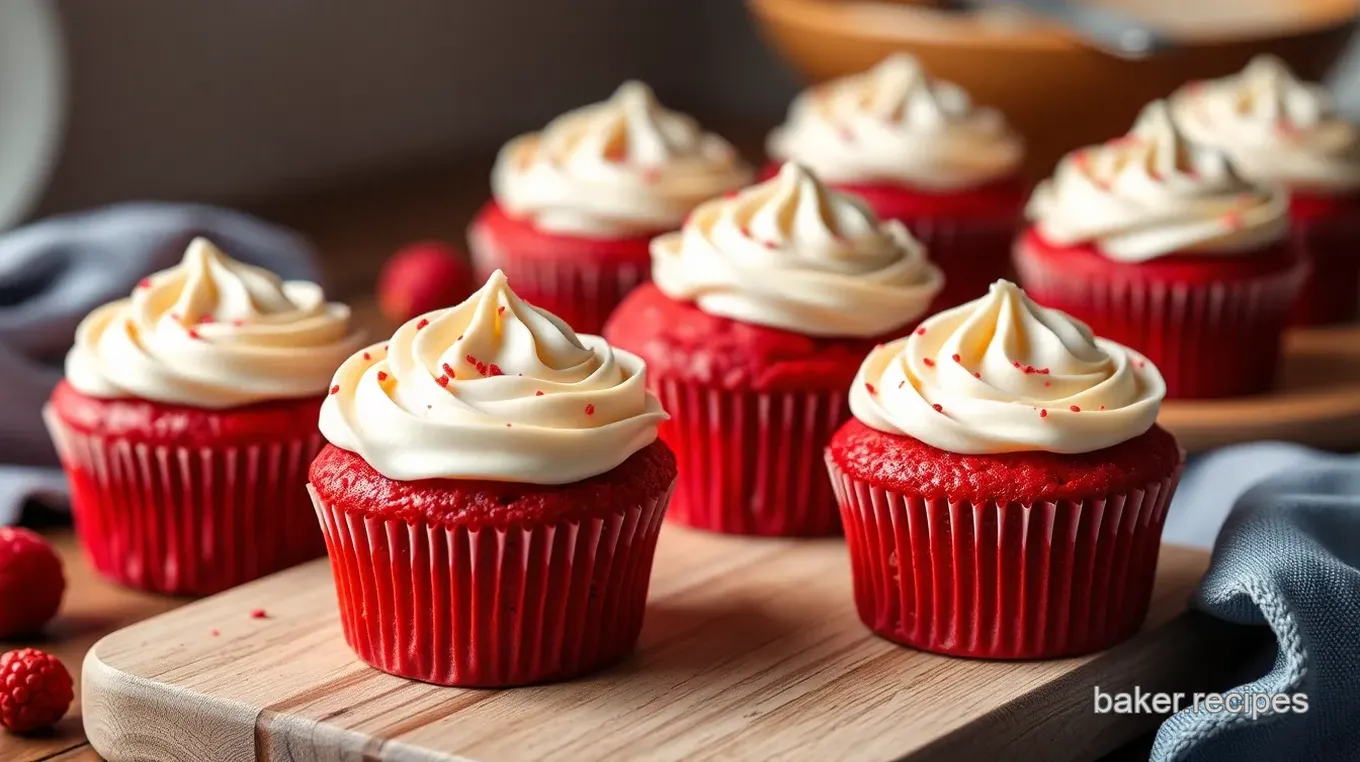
<point x="1059" y="92"/>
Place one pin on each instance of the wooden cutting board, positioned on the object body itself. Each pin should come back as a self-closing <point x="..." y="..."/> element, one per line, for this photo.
<point x="751" y="650"/>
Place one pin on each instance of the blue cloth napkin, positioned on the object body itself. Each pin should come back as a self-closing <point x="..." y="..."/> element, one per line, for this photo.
<point x="1288" y="557"/>
<point x="54" y="272"/>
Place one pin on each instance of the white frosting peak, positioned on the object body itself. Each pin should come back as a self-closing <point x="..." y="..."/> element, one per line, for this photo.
<point x="1002" y="374"/>
<point x="790" y="253"/>
<point x="626" y="166"/>
<point x="1154" y="193"/>
<point x="893" y="124"/>
<point x="214" y="333"/>
<point x="1277" y="129"/>
<point x="491" y="389"/>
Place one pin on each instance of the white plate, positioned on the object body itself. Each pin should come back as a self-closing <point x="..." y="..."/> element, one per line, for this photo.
<point x="32" y="102"/>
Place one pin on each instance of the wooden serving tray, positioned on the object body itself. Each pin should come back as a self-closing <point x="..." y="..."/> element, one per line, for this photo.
<point x="751" y="650"/>
<point x="1317" y="401"/>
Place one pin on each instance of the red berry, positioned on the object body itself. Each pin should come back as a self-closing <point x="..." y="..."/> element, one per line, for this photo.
<point x="31" y="582"/>
<point x="35" y="690"/>
<point x="423" y="277"/>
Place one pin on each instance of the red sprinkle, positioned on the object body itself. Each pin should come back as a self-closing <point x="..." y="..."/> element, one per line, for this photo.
<point x="538" y="394"/>
<point x="215" y="632"/>
<point x="481" y="368"/>
<point x="1047" y="384"/>
<point x="448" y="370"/>
<point x="870" y="387"/>
<point x="921" y="331"/>
<point x="367" y="357"/>
<point x="1102" y="407"/>
<point x="460" y="337"/>
<point x="1233" y="220"/>
<point x="938" y="408"/>
<point x="470" y="360"/>
<point x="958" y="359"/>
<point x="144" y="283"/>
<point x="745" y="232"/>
<point x="494" y="369"/>
<point x="977" y="375"/>
<point x="590" y="410"/>
<point x="770" y="244"/>
<point x="929" y="362"/>
<point x="335" y="389"/>
<point x="1075" y="409"/>
<point x="442" y="380"/>
<point x="238" y="323"/>
<point x="423" y="322"/>
<point x="1016" y="364"/>
<point x="258" y="614"/>
<point x="500" y="310"/>
<point x="206" y="319"/>
<point x="382" y="376"/>
<point x="193" y="334"/>
<point x="1043" y="413"/>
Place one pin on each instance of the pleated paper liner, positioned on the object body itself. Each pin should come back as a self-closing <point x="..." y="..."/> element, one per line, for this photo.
<point x="1208" y="339"/>
<point x="750" y="462"/>
<point x="1331" y="293"/>
<point x="495" y="606"/>
<point x="973" y="254"/>
<point x="1002" y="581"/>
<point x="581" y="291"/>
<point x="189" y="520"/>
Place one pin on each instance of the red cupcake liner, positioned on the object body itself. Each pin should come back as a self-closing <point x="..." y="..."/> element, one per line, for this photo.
<point x="582" y="291"/>
<point x="1331" y="292"/>
<point x="1002" y="581"/>
<point x="973" y="254"/>
<point x="1209" y="338"/>
<point x="750" y="462"/>
<point x="189" y="520"/>
<point x="493" y="606"/>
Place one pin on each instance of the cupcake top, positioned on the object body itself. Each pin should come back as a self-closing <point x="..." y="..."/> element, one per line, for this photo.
<point x="212" y="333"/>
<point x="1153" y="193"/>
<point x="623" y="167"/>
<point x="1003" y="374"/>
<point x="892" y="124"/>
<point x="790" y="253"/>
<point x="491" y="389"/>
<point x="1277" y="129"/>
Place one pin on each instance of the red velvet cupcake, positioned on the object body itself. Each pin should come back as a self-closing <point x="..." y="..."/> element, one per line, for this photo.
<point x="760" y="311"/>
<point x="920" y="152"/>
<point x="187" y="420"/>
<point x="1157" y="243"/>
<point x="1280" y="131"/>
<point x="575" y="206"/>
<point x="492" y="498"/>
<point x="1003" y="484"/>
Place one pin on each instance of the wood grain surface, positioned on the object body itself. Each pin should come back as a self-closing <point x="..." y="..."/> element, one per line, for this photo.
<point x="1317" y="401"/>
<point x="751" y="650"/>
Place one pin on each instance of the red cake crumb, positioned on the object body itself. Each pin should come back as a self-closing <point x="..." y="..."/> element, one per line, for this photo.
<point x="678" y="340"/>
<point x="179" y="425"/>
<point x="343" y="478"/>
<point x="910" y="466"/>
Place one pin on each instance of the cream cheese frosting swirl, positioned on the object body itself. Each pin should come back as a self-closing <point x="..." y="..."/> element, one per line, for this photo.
<point x="1003" y="374"/>
<point x="1154" y="193"/>
<point x="893" y="124"/>
<point x="623" y="167"/>
<point x="491" y="389"/>
<point x="791" y="253"/>
<point x="1275" y="128"/>
<point x="212" y="333"/>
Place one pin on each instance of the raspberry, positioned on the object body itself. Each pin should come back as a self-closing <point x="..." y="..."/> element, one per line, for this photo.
<point x="31" y="582"/>
<point x="423" y="277"/>
<point x="35" y="690"/>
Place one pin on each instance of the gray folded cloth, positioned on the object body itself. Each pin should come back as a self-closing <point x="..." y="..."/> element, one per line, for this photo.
<point x="1288" y="558"/>
<point x="54" y="272"/>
